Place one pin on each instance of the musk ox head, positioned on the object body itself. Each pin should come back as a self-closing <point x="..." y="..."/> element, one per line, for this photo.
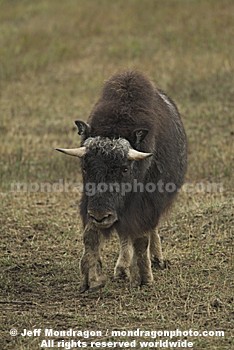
<point x="109" y="167"/>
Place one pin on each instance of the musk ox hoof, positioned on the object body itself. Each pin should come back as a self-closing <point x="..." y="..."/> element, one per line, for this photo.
<point x="83" y="287"/>
<point x="137" y="284"/>
<point x="160" y="264"/>
<point x="93" y="286"/>
<point x="147" y="281"/>
<point x="142" y="282"/>
<point x="122" y="273"/>
<point x="145" y="285"/>
<point x="96" y="285"/>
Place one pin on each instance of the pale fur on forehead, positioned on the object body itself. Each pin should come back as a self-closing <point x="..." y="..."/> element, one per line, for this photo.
<point x="106" y="146"/>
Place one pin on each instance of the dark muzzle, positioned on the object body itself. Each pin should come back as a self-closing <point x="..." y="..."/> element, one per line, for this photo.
<point x="102" y="219"/>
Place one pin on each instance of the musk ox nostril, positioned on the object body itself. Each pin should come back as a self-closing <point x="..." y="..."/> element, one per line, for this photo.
<point x="100" y="217"/>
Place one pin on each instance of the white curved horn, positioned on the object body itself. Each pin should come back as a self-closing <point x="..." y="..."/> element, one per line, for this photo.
<point x="76" y="152"/>
<point x="136" y="155"/>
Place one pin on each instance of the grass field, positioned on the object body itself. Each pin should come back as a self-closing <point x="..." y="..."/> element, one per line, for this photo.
<point x="54" y="57"/>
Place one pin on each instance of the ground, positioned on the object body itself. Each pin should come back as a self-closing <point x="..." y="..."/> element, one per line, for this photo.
<point x="54" y="59"/>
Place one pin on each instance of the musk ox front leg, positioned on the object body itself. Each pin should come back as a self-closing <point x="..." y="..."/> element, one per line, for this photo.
<point x="122" y="267"/>
<point x="90" y="264"/>
<point x="156" y="251"/>
<point x="142" y="260"/>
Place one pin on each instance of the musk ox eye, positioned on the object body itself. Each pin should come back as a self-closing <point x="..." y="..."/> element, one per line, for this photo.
<point x="124" y="170"/>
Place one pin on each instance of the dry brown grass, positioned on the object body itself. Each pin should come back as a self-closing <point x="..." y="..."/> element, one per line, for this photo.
<point x="54" y="58"/>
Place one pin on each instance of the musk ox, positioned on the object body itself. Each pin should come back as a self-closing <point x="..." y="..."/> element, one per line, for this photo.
<point x="133" y="156"/>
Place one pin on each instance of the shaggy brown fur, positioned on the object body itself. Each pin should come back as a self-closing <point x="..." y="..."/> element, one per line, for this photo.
<point x="130" y="113"/>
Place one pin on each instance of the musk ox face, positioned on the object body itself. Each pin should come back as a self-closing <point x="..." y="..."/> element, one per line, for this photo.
<point x="105" y="168"/>
<point x="108" y="167"/>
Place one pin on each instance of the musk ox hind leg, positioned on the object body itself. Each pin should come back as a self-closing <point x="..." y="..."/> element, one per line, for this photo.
<point x="142" y="261"/>
<point x="90" y="264"/>
<point x="156" y="251"/>
<point x="122" y="267"/>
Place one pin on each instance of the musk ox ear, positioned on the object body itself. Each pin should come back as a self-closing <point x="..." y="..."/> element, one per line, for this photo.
<point x="83" y="128"/>
<point x="139" y="135"/>
<point x="76" y="152"/>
